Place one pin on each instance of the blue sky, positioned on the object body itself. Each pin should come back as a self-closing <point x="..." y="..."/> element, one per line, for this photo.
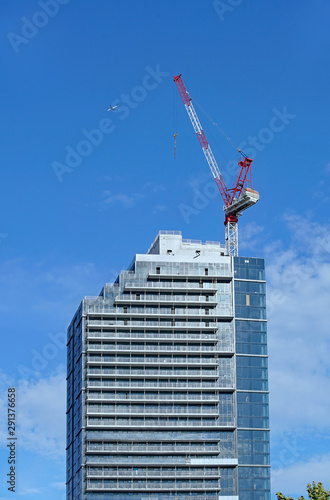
<point x="64" y="233"/>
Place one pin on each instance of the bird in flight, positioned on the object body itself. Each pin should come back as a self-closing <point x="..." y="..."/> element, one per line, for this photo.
<point x="112" y="108"/>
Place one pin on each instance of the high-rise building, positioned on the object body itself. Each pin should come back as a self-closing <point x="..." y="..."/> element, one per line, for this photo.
<point x="167" y="380"/>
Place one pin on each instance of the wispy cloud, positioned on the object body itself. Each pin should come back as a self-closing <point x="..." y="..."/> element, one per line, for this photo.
<point x="249" y="236"/>
<point x="299" y="345"/>
<point x="298" y="298"/>
<point x="127" y="201"/>
<point x="59" y="485"/>
<point x="295" y="477"/>
<point x="42" y="415"/>
<point x="154" y="187"/>
<point x="159" y="208"/>
<point x="30" y="491"/>
<point x="42" y="406"/>
<point x="321" y="197"/>
<point x="197" y="180"/>
<point x="47" y="283"/>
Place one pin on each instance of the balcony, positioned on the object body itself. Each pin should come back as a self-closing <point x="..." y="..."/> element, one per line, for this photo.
<point x="223" y="277"/>
<point x="156" y="348"/>
<point x="132" y="396"/>
<point x="172" y="325"/>
<point x="152" y="385"/>
<point x="155" y="449"/>
<point x="155" y="412"/>
<point x="209" y="311"/>
<point x="152" y="472"/>
<point x="167" y="299"/>
<point x="180" y="422"/>
<point x="214" y="310"/>
<point x="135" y="372"/>
<point x="156" y="486"/>
<point x="183" y="286"/>
<point x="150" y="335"/>
<point x="183" y="360"/>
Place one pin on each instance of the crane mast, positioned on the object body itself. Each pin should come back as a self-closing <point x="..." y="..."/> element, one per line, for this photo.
<point x="241" y="196"/>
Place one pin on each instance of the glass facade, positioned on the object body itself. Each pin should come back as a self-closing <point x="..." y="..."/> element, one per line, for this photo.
<point x="251" y="379"/>
<point x="164" y="402"/>
<point x="74" y="407"/>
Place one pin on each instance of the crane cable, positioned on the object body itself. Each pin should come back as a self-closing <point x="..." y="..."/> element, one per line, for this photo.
<point x="219" y="128"/>
<point x="175" y="118"/>
<point x="209" y="132"/>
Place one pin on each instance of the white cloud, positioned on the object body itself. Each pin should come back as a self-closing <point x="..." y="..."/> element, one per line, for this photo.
<point x="152" y="187"/>
<point x="59" y="485"/>
<point x="29" y="491"/>
<point x="292" y="480"/>
<point x="45" y="274"/>
<point x="125" y="200"/>
<point x="40" y="415"/>
<point x="299" y="342"/>
<point x="248" y="235"/>
<point x="321" y="197"/>
<point x="47" y="283"/>
<point x="41" y="411"/>
<point x="199" y="181"/>
<point x="68" y="275"/>
<point x="159" y="208"/>
<point x="130" y="200"/>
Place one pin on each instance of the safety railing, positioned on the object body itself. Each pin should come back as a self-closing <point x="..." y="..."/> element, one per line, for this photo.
<point x="150" y="396"/>
<point x="151" y="335"/>
<point x="158" y="324"/>
<point x="156" y="485"/>
<point x="156" y="411"/>
<point x="160" y="284"/>
<point x="167" y="298"/>
<point x="152" y="448"/>
<point x="146" y="347"/>
<point x="190" y="384"/>
<point x="145" y="360"/>
<point x="155" y="422"/>
<point x="158" y="373"/>
<point x="145" y="472"/>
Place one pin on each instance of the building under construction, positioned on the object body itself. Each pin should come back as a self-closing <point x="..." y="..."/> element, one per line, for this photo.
<point x="167" y="380"/>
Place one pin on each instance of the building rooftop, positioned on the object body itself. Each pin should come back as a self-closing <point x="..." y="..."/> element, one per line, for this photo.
<point x="172" y="243"/>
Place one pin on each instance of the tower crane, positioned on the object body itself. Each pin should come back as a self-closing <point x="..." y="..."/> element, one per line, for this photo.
<point x="236" y="199"/>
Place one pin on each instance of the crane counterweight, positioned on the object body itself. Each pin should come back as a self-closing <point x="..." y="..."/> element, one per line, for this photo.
<point x="247" y="199"/>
